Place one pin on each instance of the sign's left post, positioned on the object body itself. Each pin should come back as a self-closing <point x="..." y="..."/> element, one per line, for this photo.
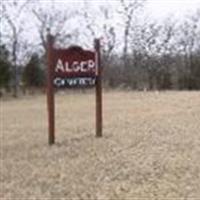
<point x="50" y="90"/>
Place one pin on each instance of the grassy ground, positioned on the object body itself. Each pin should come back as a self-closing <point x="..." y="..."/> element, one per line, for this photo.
<point x="150" y="148"/>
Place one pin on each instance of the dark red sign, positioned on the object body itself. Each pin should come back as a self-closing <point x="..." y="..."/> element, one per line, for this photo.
<point x="73" y="67"/>
<point x="74" y="62"/>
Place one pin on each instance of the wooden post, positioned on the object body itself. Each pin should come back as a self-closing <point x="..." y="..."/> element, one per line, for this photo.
<point x="50" y="90"/>
<point x="98" y="90"/>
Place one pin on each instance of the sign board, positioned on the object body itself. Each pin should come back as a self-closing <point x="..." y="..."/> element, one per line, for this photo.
<point x="73" y="67"/>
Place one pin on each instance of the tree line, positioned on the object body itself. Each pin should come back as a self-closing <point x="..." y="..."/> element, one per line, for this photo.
<point x="138" y="52"/>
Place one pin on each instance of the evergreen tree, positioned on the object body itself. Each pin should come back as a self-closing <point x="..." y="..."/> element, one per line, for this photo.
<point x="33" y="75"/>
<point x="5" y="66"/>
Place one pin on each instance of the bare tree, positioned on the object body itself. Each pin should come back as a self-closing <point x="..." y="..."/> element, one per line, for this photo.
<point x="129" y="11"/>
<point x="189" y="43"/>
<point x="12" y="33"/>
<point x="106" y="29"/>
<point x="54" y="21"/>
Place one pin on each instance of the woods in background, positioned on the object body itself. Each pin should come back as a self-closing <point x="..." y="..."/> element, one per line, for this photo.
<point x="138" y="52"/>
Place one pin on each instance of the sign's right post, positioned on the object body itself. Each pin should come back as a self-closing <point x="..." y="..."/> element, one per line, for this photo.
<point x="98" y="86"/>
<point x="50" y="90"/>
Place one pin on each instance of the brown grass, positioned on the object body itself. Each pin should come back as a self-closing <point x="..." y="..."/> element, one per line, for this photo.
<point x="150" y="148"/>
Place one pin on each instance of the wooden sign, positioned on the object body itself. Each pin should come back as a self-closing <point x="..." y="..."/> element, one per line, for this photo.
<point x="73" y="67"/>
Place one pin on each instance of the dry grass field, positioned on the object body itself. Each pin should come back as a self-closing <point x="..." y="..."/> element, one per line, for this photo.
<point x="150" y="148"/>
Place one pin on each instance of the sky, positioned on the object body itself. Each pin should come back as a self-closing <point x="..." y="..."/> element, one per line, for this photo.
<point x="158" y="9"/>
<point x="163" y="8"/>
<point x="178" y="8"/>
<point x="155" y="7"/>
